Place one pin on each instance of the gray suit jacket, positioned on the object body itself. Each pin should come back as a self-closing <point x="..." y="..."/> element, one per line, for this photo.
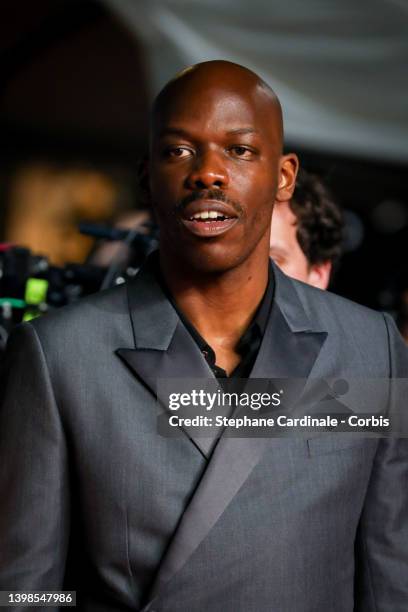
<point x="93" y="499"/>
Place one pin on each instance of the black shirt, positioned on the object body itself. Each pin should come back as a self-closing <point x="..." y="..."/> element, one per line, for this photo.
<point x="248" y="344"/>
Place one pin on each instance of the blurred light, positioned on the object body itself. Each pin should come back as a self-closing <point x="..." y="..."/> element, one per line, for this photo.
<point x="390" y="216"/>
<point x="353" y="231"/>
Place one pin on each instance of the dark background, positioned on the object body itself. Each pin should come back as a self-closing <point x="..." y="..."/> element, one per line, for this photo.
<point x="75" y="90"/>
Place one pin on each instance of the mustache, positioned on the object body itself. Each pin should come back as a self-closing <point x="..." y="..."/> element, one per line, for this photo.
<point x="209" y="194"/>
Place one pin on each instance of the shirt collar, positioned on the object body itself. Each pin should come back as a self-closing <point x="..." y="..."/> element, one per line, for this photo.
<point x="254" y="331"/>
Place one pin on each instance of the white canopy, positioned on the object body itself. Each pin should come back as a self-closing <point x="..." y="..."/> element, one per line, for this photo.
<point x="340" y="67"/>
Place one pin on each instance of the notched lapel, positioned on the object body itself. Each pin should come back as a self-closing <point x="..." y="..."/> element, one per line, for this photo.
<point x="285" y="353"/>
<point x="292" y="342"/>
<point x="181" y="360"/>
<point x="164" y="349"/>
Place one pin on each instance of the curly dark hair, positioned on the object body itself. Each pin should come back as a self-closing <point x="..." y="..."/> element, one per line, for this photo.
<point x="319" y="219"/>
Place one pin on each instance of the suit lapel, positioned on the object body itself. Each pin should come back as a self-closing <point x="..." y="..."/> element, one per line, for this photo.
<point x="289" y="349"/>
<point x="291" y="343"/>
<point x="164" y="348"/>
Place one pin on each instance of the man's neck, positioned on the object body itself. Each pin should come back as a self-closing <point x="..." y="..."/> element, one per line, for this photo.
<point x="220" y="306"/>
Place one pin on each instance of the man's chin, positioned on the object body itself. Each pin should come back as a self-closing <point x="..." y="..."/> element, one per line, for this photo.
<point x="208" y="261"/>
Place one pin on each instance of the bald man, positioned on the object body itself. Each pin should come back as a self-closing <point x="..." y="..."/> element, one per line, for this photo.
<point x="98" y="497"/>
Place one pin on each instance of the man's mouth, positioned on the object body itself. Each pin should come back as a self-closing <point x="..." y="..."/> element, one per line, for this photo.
<point x="208" y="218"/>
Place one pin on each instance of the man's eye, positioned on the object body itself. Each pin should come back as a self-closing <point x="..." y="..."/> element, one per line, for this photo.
<point x="178" y="152"/>
<point x="242" y="152"/>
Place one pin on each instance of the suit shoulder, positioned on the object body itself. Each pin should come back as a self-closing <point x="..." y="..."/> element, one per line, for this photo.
<point x="85" y="316"/>
<point x="336" y="310"/>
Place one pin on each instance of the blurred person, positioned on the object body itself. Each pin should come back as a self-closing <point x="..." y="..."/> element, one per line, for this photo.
<point x="105" y="252"/>
<point x="138" y="219"/>
<point x="93" y="498"/>
<point x="307" y="232"/>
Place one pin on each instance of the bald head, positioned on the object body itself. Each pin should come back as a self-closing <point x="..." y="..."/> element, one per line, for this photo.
<point x="221" y="79"/>
<point x="216" y="152"/>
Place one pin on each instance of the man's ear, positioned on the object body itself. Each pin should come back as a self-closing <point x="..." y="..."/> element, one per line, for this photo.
<point x="288" y="168"/>
<point x="319" y="275"/>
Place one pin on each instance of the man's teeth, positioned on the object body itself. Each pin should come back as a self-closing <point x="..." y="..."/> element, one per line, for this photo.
<point x="209" y="214"/>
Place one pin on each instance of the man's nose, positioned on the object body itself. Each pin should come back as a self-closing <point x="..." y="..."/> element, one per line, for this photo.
<point x="208" y="172"/>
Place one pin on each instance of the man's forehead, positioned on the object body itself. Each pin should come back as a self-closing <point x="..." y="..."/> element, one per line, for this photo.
<point x="230" y="91"/>
<point x="239" y="110"/>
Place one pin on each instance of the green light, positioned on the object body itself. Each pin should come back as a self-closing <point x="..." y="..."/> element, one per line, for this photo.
<point x="30" y="314"/>
<point x="13" y="302"/>
<point x="36" y="291"/>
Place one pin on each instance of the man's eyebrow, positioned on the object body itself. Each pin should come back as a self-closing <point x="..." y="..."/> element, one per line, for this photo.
<point x="174" y="131"/>
<point x="178" y="131"/>
<point x="243" y="130"/>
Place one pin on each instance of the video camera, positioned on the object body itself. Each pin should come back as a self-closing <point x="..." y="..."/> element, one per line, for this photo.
<point x="30" y="285"/>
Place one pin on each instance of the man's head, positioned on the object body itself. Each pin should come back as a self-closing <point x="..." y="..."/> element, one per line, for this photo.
<point x="216" y="149"/>
<point x="306" y="233"/>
